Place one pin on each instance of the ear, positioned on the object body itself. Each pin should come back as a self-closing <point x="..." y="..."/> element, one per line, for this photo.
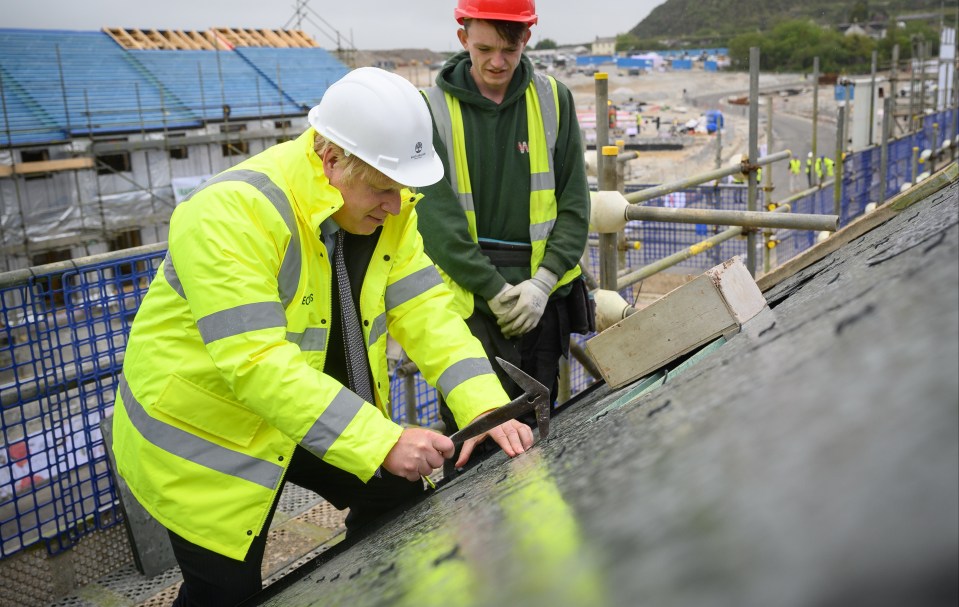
<point x="329" y="161"/>
<point x="463" y="36"/>
<point x="527" y="36"/>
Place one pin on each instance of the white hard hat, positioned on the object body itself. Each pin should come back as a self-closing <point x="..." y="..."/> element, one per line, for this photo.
<point x="383" y="119"/>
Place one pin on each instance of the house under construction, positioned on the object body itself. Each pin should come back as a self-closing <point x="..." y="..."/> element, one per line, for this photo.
<point x="104" y="132"/>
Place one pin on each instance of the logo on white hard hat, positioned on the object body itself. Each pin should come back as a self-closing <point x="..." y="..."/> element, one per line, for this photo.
<point x="417" y="150"/>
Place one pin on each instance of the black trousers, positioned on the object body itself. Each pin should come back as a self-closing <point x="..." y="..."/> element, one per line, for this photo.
<point x="214" y="580"/>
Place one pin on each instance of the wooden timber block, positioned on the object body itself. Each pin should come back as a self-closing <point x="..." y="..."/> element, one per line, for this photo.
<point x="715" y="303"/>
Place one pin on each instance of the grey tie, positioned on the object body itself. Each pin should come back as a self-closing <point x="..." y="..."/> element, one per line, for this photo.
<point x="357" y="363"/>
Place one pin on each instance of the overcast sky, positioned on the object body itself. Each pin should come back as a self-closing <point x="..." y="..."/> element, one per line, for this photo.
<point x="372" y="24"/>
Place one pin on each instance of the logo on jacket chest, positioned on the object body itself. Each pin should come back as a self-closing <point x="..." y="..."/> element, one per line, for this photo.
<point x="522" y="147"/>
<point x="307" y="299"/>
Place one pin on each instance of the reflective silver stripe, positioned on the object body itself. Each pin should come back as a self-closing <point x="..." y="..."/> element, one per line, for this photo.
<point x="461" y="371"/>
<point x="444" y="126"/>
<point x="410" y="287"/>
<point x="444" y="123"/>
<point x="540" y="231"/>
<point x="331" y="423"/>
<point x="289" y="276"/>
<point x="378" y="328"/>
<point x="547" y="107"/>
<point x="169" y="273"/>
<point x="241" y="319"/>
<point x="197" y="450"/>
<point x="539" y="182"/>
<point x="542" y="181"/>
<point x="466" y="201"/>
<point x="311" y="340"/>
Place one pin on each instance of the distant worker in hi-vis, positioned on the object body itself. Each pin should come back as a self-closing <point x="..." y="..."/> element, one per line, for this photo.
<point x="829" y="167"/>
<point x="795" y="167"/>
<point x="508" y="224"/>
<point x="258" y="355"/>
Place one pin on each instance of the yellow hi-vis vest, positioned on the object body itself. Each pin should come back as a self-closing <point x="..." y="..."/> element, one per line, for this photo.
<point x="542" y="118"/>
<point x="223" y="370"/>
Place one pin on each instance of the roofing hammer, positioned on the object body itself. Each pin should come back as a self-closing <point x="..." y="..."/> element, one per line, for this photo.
<point x="535" y="397"/>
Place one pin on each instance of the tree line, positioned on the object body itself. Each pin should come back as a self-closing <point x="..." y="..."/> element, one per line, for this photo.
<point x="792" y="45"/>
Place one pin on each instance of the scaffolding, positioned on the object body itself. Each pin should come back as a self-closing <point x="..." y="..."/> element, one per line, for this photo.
<point x="63" y="324"/>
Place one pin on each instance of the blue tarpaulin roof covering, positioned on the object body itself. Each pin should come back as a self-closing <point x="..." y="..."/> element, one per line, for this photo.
<point x="303" y="74"/>
<point x="57" y="84"/>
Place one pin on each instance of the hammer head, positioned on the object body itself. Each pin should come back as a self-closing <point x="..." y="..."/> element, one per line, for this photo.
<point x="536" y="394"/>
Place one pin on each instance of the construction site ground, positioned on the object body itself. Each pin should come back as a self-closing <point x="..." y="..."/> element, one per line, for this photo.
<point x="677" y="97"/>
<point x="305" y="525"/>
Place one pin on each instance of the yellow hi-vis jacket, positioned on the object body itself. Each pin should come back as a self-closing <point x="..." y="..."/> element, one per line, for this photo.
<point x="542" y="111"/>
<point x="830" y="164"/>
<point x="222" y="376"/>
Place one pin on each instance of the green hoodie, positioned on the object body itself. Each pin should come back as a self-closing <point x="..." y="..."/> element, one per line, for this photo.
<point x="499" y="176"/>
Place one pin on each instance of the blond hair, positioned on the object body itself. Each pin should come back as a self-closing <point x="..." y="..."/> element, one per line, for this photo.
<point x="353" y="168"/>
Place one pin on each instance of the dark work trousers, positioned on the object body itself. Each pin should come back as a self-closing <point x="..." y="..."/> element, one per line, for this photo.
<point x="537" y="353"/>
<point x="214" y="580"/>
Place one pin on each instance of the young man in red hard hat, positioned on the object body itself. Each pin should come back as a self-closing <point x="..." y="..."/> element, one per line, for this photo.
<point x="258" y="355"/>
<point x="509" y="223"/>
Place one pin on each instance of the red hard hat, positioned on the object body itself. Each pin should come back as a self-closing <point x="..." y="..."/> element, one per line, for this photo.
<point x="523" y="11"/>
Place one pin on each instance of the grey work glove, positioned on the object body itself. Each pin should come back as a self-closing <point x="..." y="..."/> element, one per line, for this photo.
<point x="499" y="308"/>
<point x="528" y="299"/>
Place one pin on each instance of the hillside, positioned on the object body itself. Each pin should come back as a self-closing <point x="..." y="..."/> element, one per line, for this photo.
<point x="726" y="18"/>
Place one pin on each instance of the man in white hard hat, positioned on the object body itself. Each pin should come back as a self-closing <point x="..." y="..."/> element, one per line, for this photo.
<point x="258" y="355"/>
<point x="509" y="223"/>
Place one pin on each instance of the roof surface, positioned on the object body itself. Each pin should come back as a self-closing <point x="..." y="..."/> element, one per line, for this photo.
<point x="57" y="84"/>
<point x="813" y="459"/>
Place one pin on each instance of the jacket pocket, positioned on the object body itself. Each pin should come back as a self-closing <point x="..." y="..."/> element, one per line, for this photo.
<point x="206" y="411"/>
